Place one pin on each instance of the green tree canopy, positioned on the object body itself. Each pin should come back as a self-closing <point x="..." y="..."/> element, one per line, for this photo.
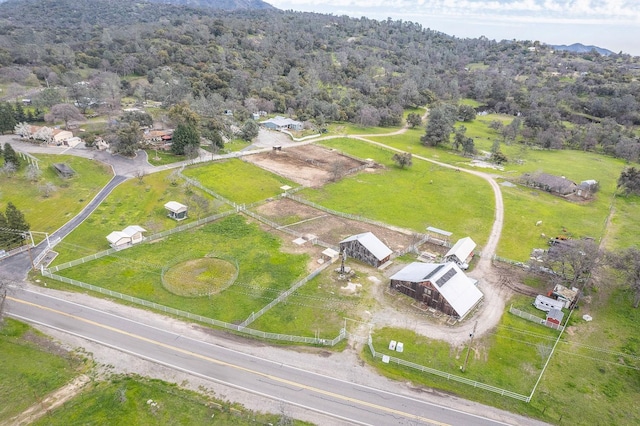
<point x="439" y="127"/>
<point x="10" y="156"/>
<point x="184" y="136"/>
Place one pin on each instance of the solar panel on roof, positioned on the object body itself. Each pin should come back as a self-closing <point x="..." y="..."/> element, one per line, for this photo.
<point x="446" y="277"/>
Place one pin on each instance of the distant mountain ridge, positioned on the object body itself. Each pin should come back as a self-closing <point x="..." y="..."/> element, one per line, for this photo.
<point x="581" y="48"/>
<point x="219" y="4"/>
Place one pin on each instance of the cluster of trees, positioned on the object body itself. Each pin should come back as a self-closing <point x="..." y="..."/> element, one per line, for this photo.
<point x="14" y="113"/>
<point x="629" y="181"/>
<point x="13" y="227"/>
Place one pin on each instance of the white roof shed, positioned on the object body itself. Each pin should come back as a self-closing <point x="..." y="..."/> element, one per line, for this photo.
<point x="461" y="251"/>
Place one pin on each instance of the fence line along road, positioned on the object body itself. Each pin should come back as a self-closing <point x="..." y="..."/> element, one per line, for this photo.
<point x="233" y="327"/>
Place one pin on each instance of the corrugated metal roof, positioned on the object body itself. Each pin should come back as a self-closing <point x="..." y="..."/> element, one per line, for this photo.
<point x="131" y="230"/>
<point x="371" y="243"/>
<point x="462" y="249"/>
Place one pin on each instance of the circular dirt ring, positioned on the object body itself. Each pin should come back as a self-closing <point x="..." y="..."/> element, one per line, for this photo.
<point x="199" y="277"/>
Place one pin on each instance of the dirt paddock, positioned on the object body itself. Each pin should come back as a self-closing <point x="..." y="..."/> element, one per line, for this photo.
<point x="308" y="165"/>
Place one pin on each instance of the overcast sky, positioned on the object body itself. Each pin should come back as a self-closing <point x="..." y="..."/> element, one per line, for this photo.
<point x="611" y="24"/>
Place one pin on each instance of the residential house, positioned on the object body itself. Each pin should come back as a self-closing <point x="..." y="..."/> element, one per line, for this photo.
<point x="461" y="253"/>
<point x="554" y="184"/>
<point x="176" y="210"/>
<point x="441" y="286"/>
<point x="366" y="248"/>
<point x="60" y="136"/>
<point x="282" y="123"/>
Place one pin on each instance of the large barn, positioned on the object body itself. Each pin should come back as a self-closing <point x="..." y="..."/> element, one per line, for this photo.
<point x="366" y="248"/>
<point x="441" y="286"/>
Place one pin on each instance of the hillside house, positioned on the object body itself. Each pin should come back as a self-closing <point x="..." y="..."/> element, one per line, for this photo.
<point x="558" y="185"/>
<point x="282" y="123"/>
<point x="366" y="248"/>
<point x="441" y="286"/>
<point x="176" y="210"/>
<point x="461" y="253"/>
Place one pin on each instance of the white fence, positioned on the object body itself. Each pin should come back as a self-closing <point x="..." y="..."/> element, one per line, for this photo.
<point x="533" y="318"/>
<point x="200" y="318"/>
<point x="449" y="376"/>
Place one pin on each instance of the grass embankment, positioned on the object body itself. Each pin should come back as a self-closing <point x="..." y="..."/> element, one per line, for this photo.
<point x="125" y="400"/>
<point x="31" y="366"/>
<point x="136" y="202"/>
<point x="422" y="195"/>
<point x="69" y="196"/>
<point x="264" y="271"/>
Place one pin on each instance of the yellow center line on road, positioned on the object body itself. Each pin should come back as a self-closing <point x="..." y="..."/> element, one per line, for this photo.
<point x="237" y="367"/>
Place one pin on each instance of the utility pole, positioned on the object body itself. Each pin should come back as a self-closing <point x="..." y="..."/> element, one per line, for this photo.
<point x="464" y="367"/>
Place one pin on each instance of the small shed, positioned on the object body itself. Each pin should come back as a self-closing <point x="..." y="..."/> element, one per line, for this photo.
<point x="568" y="296"/>
<point x="176" y="210"/>
<point x="555" y="316"/>
<point x="367" y="248"/>
<point x="587" y="188"/>
<point x="118" y="239"/>
<point x="134" y="232"/>
<point x="330" y="254"/>
<point x="63" y="170"/>
<point x="461" y="252"/>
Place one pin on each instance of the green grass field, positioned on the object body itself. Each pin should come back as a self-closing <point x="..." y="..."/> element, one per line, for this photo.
<point x="422" y="195"/>
<point x="238" y="181"/>
<point x="29" y="369"/>
<point x="133" y="400"/>
<point x="136" y="202"/>
<point x="264" y="271"/>
<point x="46" y="214"/>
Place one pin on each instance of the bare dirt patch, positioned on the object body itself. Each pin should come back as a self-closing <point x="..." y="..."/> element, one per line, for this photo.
<point x="327" y="227"/>
<point x="308" y="165"/>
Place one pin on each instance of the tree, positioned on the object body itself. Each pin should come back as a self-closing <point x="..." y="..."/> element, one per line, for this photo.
<point x="459" y="137"/>
<point x="10" y="156"/>
<point x="573" y="260"/>
<point x="466" y="113"/>
<point x="185" y="135"/>
<point x="414" y="120"/>
<point x="15" y="218"/>
<point x="181" y="113"/>
<point x="628" y="182"/>
<point x="249" y="130"/>
<point x="33" y="173"/>
<point x="469" y="147"/>
<point x="64" y="112"/>
<point x="403" y="159"/>
<point x="439" y="127"/>
<point x="143" y="118"/>
<point x="627" y="264"/>
<point x="126" y="139"/>
<point x="7" y="118"/>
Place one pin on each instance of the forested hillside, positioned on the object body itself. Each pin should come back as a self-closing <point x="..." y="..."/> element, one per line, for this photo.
<point x="315" y="67"/>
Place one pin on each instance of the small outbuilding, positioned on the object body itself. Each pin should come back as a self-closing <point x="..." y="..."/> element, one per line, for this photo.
<point x="176" y="210"/>
<point x="555" y="316"/>
<point x="366" y="248"/>
<point x="63" y="170"/>
<point x="587" y="188"/>
<point x="441" y="286"/>
<point x="118" y="239"/>
<point x="545" y="303"/>
<point x="134" y="232"/>
<point x="461" y="253"/>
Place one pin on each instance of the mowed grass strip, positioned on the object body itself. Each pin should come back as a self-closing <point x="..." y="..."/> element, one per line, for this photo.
<point x="238" y="181"/>
<point x="264" y="271"/>
<point x="46" y="214"/>
<point x="31" y="366"/>
<point x="136" y="202"/>
<point x="135" y="400"/>
<point x="422" y="195"/>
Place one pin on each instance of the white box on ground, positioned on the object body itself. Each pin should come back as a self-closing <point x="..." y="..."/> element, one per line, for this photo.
<point x="392" y="345"/>
<point x="400" y="347"/>
<point x="385" y="359"/>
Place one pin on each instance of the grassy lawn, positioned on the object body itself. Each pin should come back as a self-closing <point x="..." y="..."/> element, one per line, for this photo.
<point x="124" y="400"/>
<point x="343" y="128"/>
<point x="136" y="202"/>
<point x="624" y="227"/>
<point x="264" y="271"/>
<point x="420" y="196"/>
<point x="29" y="367"/>
<point x="235" y="145"/>
<point x="238" y="181"/>
<point x="161" y="158"/>
<point x="321" y="305"/>
<point x="46" y="214"/>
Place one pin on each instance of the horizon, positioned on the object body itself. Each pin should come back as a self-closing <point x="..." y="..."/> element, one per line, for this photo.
<point x="608" y="24"/>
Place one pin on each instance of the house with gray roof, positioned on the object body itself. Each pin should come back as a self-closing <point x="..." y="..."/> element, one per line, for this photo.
<point x="441" y="286"/>
<point x="558" y="185"/>
<point x="282" y="123"/>
<point x="366" y="248"/>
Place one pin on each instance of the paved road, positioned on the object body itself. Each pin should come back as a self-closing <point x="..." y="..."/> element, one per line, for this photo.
<point x="331" y="396"/>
